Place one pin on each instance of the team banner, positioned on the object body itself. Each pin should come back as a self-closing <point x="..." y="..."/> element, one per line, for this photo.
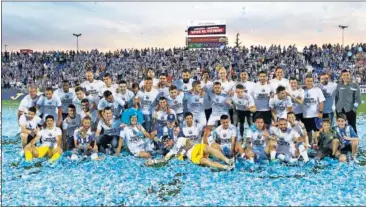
<point x="213" y="39"/>
<point x="207" y="30"/>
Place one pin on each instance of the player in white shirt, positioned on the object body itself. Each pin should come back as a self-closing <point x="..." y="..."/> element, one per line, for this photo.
<point x="220" y="105"/>
<point x="279" y="80"/>
<point x="66" y="95"/>
<point x="29" y="126"/>
<point x="51" y="105"/>
<point x="80" y="95"/>
<point x="86" y="110"/>
<point x="70" y="123"/>
<point x="116" y="104"/>
<point x="259" y="145"/>
<point x="28" y="101"/>
<point x="297" y="97"/>
<point x="207" y="85"/>
<point x="109" y="140"/>
<point x="227" y="87"/>
<point x="299" y="127"/>
<point x="137" y="139"/>
<point x="329" y="91"/>
<point x="84" y="141"/>
<point x="248" y="85"/>
<point x="287" y="139"/>
<point x="195" y="103"/>
<point x="224" y="138"/>
<point x="108" y="85"/>
<point x="125" y="94"/>
<point x="280" y="104"/>
<point x="51" y="142"/>
<point x="150" y="74"/>
<point x="161" y="113"/>
<point x="148" y="100"/>
<point x="261" y="94"/>
<point x="244" y="106"/>
<point x="197" y="153"/>
<point x="92" y="87"/>
<point x="312" y="107"/>
<point x="175" y="102"/>
<point x="191" y="130"/>
<point x="162" y="86"/>
<point x="184" y="84"/>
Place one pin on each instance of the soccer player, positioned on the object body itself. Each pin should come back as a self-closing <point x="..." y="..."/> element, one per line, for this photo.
<point x="69" y="125"/>
<point x="137" y="139"/>
<point x="116" y="104"/>
<point x="297" y="97"/>
<point x="28" y="101"/>
<point x="248" y="85"/>
<point x="84" y="141"/>
<point x="261" y="94"/>
<point x="161" y="113"/>
<point x="162" y="86"/>
<point x="195" y="103"/>
<point x="191" y="130"/>
<point x="92" y="86"/>
<point x="80" y="95"/>
<point x="108" y="85"/>
<point x="220" y="105"/>
<point x="51" y="105"/>
<point x="175" y="102"/>
<point x="147" y="99"/>
<point x="125" y="94"/>
<point x="151" y="76"/>
<point x="329" y="91"/>
<point x="90" y="112"/>
<point x="280" y="105"/>
<point x="279" y="80"/>
<point x="29" y="126"/>
<point x="66" y="96"/>
<point x="206" y="86"/>
<point x="197" y="153"/>
<point x="51" y="142"/>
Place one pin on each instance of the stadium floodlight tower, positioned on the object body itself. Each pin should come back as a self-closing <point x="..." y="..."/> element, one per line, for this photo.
<point x="343" y="27"/>
<point x="77" y="41"/>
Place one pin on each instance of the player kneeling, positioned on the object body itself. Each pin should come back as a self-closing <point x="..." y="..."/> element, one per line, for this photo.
<point x="84" y="140"/>
<point x="51" y="142"/>
<point x="197" y="153"/>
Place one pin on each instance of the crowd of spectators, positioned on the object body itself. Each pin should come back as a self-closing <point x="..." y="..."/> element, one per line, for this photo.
<point x="50" y="68"/>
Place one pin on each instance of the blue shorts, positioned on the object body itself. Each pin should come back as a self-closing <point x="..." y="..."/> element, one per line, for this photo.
<point x="259" y="153"/>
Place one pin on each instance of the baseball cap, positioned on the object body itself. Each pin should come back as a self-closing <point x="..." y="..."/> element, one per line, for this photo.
<point x="171" y="118"/>
<point x="165" y="138"/>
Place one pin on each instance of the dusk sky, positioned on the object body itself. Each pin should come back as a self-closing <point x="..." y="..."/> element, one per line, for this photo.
<point x="109" y="26"/>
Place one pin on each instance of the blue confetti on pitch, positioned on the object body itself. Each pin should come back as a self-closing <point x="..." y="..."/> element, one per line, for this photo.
<point x="125" y="181"/>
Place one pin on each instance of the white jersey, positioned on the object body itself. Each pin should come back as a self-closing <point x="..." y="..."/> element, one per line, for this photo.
<point x="112" y="130"/>
<point x="163" y="92"/>
<point x="71" y="125"/>
<point x="93" y="88"/>
<point x="155" y="82"/>
<point x="66" y="99"/>
<point x="126" y="97"/>
<point x="50" y="106"/>
<point x="297" y="108"/>
<point x="256" y="137"/>
<point x="117" y="106"/>
<point x="177" y="103"/>
<point x="49" y="136"/>
<point x="226" y="86"/>
<point x="93" y="116"/>
<point x="147" y="101"/>
<point x="162" y="116"/>
<point x="219" y="105"/>
<point x="195" y="103"/>
<point x="84" y="139"/>
<point x="248" y="86"/>
<point x="28" y="102"/>
<point x="329" y="95"/>
<point x="243" y="104"/>
<point x="285" y="138"/>
<point x="208" y="88"/>
<point x="280" y="106"/>
<point x="313" y="97"/>
<point x="30" y="124"/>
<point x="261" y="95"/>
<point x="185" y="87"/>
<point x="193" y="132"/>
<point x="133" y="137"/>
<point x="112" y="89"/>
<point x="180" y="147"/>
<point x="222" y="136"/>
<point x="274" y="83"/>
<point x="299" y="128"/>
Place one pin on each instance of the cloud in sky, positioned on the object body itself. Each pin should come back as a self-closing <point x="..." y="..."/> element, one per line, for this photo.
<point x="115" y="25"/>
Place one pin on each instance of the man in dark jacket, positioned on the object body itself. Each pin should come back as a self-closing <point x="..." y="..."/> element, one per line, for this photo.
<point x="348" y="98"/>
